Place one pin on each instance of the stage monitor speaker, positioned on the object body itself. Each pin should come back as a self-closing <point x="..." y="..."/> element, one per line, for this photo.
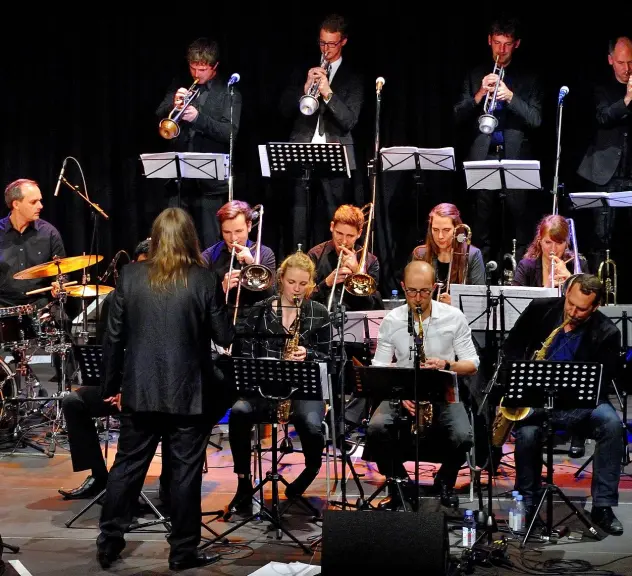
<point x="367" y="543"/>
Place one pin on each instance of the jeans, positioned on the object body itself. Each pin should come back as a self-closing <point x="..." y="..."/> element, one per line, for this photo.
<point x="451" y="429"/>
<point x="602" y="424"/>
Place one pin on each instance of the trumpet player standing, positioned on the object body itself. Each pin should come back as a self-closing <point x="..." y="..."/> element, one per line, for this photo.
<point x="518" y="109"/>
<point x="585" y="334"/>
<point x="607" y="163"/>
<point x="204" y="127"/>
<point x="340" y="95"/>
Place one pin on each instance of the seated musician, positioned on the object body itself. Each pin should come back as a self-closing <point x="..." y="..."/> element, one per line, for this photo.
<point x="277" y="315"/>
<point x="236" y="220"/>
<point x="437" y="251"/>
<point x="346" y="228"/>
<point x="448" y="345"/>
<point x="571" y="329"/>
<point x="551" y="244"/>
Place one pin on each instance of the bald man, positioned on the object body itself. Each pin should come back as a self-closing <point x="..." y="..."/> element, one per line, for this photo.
<point x="448" y="345"/>
<point x="607" y="164"/>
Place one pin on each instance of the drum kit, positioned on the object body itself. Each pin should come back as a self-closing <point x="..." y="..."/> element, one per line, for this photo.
<point x="25" y="329"/>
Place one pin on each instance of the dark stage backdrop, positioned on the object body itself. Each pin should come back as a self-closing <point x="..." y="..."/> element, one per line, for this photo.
<point x="88" y="88"/>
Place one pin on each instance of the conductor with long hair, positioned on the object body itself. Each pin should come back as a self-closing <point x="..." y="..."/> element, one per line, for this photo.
<point x="158" y="369"/>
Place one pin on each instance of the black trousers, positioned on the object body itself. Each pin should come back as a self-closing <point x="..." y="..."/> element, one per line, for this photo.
<point x="138" y="440"/>
<point x="390" y="442"/>
<point x="307" y="417"/>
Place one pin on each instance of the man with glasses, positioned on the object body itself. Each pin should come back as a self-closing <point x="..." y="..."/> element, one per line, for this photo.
<point x="340" y="96"/>
<point x="448" y="345"/>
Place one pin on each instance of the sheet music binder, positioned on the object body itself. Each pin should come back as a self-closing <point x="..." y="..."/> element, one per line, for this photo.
<point x="209" y="166"/>
<point x="598" y="199"/>
<point x="489" y="174"/>
<point x="413" y="158"/>
<point x="472" y="301"/>
<point x="293" y="159"/>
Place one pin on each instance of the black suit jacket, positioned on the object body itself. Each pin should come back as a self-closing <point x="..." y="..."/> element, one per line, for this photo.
<point x="523" y="114"/>
<point x="613" y="120"/>
<point x="210" y="132"/>
<point x="339" y="116"/>
<point x="160" y="341"/>
<point x="600" y="343"/>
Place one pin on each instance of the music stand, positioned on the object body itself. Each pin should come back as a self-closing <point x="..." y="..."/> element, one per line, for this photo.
<point x="273" y="380"/>
<point x="418" y="160"/>
<point x="552" y="386"/>
<point x="304" y="160"/>
<point x="90" y="363"/>
<point x="395" y="383"/>
<point x="178" y="165"/>
<point x="502" y="175"/>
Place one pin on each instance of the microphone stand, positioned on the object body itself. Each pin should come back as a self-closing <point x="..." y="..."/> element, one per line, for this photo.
<point x="558" y="151"/>
<point x="231" y="91"/>
<point x="373" y="163"/>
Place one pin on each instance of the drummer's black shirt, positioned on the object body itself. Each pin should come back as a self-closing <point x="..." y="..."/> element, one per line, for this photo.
<point x="40" y="242"/>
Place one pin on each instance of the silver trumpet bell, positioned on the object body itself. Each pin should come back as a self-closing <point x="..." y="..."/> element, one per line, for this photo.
<point x="487" y="122"/>
<point x="308" y="103"/>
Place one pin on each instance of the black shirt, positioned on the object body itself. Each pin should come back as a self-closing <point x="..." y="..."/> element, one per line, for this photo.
<point x="39" y="243"/>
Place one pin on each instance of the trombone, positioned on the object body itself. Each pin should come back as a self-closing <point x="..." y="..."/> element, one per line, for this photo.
<point x="487" y="122"/>
<point x="308" y="103"/>
<point x="462" y="235"/>
<point x="608" y="275"/>
<point x="169" y="127"/>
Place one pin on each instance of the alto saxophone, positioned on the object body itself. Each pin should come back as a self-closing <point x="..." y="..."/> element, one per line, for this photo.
<point x="506" y="417"/>
<point x="284" y="407"/>
<point x="424" y="408"/>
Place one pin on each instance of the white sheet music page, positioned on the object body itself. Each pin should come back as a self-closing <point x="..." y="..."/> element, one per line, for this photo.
<point x="159" y="165"/>
<point x="207" y="165"/>
<point x="264" y="161"/>
<point x="522" y="174"/>
<point x="620" y="199"/>
<point x="403" y="158"/>
<point x="482" y="174"/>
<point x="587" y="199"/>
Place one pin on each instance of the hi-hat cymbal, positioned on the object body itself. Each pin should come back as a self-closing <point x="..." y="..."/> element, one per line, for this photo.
<point x="61" y="265"/>
<point x="88" y="291"/>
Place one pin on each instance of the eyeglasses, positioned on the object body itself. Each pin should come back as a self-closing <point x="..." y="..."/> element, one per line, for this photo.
<point x="328" y="44"/>
<point x="413" y="292"/>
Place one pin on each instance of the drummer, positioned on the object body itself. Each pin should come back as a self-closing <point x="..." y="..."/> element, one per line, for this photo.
<point x="25" y="240"/>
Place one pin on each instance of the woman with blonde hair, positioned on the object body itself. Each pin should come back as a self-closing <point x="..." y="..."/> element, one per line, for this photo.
<point x="286" y="314"/>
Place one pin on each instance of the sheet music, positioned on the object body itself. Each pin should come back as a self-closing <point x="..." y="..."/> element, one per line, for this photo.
<point x="291" y="569"/>
<point x="595" y="199"/>
<point x="354" y="329"/>
<point x="486" y="174"/>
<point x="264" y="161"/>
<point x="403" y="158"/>
<point x="482" y="175"/>
<point x="472" y="301"/>
<point x="522" y="174"/>
<point x="210" y="166"/>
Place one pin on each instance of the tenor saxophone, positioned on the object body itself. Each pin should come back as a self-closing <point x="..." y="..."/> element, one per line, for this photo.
<point x="284" y="407"/>
<point x="424" y="408"/>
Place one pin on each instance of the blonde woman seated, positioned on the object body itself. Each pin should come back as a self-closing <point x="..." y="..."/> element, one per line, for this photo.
<point x="437" y="251"/>
<point x="550" y="245"/>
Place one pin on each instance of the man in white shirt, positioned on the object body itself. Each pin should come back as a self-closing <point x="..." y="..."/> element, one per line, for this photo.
<point x="448" y="345"/>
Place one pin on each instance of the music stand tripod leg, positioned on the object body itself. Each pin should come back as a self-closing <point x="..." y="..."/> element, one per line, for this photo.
<point x="85" y="508"/>
<point x="9" y="547"/>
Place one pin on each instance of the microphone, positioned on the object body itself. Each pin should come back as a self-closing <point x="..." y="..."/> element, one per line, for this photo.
<point x="379" y="82"/>
<point x="61" y="175"/>
<point x="111" y="267"/>
<point x="234" y="79"/>
<point x="562" y="94"/>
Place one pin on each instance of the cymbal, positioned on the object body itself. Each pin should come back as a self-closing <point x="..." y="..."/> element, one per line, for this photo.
<point x="88" y="291"/>
<point x="51" y="269"/>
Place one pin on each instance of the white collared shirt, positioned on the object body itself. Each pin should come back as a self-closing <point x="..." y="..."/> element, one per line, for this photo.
<point x="317" y="138"/>
<point x="447" y="336"/>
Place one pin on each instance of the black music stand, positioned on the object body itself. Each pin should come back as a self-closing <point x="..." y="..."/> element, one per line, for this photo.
<point x="90" y="363"/>
<point x="305" y="161"/>
<point x="394" y="383"/>
<point x="274" y="380"/>
<point x="552" y="386"/>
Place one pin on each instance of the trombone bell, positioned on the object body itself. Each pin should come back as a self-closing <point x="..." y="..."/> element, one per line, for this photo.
<point x="168" y="127"/>
<point x="256" y="276"/>
<point x="360" y="284"/>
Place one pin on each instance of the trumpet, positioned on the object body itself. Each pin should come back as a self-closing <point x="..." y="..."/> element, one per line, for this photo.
<point x="509" y="265"/>
<point x="462" y="235"/>
<point x="608" y="275"/>
<point x="308" y="103"/>
<point x="487" y="122"/>
<point x="168" y="127"/>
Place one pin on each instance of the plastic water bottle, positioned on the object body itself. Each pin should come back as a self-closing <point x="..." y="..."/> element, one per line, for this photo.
<point x="519" y="514"/>
<point x="469" y="529"/>
<point x="512" y="508"/>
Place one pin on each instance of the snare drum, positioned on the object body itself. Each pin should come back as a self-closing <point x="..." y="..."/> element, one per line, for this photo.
<point x="17" y="324"/>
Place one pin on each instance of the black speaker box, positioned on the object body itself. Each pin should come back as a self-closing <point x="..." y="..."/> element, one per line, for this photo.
<point x="376" y="542"/>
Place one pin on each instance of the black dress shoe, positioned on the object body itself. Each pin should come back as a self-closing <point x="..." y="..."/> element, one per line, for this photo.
<point x="302" y="482"/>
<point x="90" y="488"/>
<point x="578" y="447"/>
<point x="604" y="517"/>
<point x="194" y="562"/>
<point x="448" y="498"/>
<point x="241" y="502"/>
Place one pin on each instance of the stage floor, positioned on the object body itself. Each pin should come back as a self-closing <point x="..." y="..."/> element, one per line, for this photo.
<point x="33" y="516"/>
